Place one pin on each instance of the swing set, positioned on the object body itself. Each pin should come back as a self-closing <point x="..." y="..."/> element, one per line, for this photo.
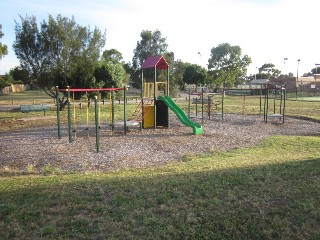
<point x="97" y="110"/>
<point x="266" y="95"/>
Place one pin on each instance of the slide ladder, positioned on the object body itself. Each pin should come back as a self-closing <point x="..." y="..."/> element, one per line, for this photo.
<point x="197" y="128"/>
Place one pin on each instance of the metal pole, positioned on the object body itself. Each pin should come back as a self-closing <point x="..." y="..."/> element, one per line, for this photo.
<point x="281" y="98"/>
<point x="189" y="103"/>
<point x="260" y="103"/>
<point x="209" y="107"/>
<point x="264" y="104"/>
<point x="112" y="110"/>
<point x="196" y="106"/>
<point x="297" y="79"/>
<point x="142" y="93"/>
<point x="96" y="111"/>
<point x="267" y="106"/>
<point x="274" y="100"/>
<point x="125" y="111"/>
<point x="202" y="105"/>
<point x="284" y="104"/>
<point x="222" y="104"/>
<point x="58" y="112"/>
<point x="154" y="97"/>
<point x="315" y="79"/>
<point x="69" y="115"/>
<point x="168" y="94"/>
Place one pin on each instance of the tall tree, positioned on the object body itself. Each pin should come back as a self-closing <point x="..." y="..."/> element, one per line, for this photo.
<point x="269" y="71"/>
<point x="59" y="53"/>
<point x="151" y="44"/>
<point x="315" y="70"/>
<point x="18" y="73"/>
<point x="195" y="74"/>
<point x="226" y="64"/>
<point x="111" y="71"/>
<point x="178" y="70"/>
<point x="3" y="47"/>
<point x="112" y="55"/>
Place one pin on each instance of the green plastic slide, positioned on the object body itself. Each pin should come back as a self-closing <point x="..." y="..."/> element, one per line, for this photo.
<point x="197" y="128"/>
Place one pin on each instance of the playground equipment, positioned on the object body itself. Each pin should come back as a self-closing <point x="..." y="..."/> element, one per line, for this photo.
<point x="207" y="102"/>
<point x="265" y="94"/>
<point x="97" y="110"/>
<point x="154" y="108"/>
<point x="197" y="128"/>
<point x="274" y="92"/>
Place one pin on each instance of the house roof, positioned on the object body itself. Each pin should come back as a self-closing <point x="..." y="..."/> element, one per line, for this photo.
<point x="155" y="61"/>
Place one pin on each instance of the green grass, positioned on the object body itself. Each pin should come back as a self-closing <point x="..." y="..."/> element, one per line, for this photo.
<point x="269" y="191"/>
<point x="233" y="104"/>
<point x="10" y="120"/>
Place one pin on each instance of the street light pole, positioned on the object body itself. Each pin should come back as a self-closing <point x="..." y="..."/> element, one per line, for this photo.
<point x="284" y="64"/>
<point x="297" y="79"/>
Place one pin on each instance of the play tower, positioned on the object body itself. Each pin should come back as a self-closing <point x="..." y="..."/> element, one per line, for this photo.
<point x="155" y="112"/>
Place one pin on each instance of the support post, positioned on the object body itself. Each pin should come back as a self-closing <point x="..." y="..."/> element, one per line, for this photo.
<point x="69" y="115"/>
<point x="260" y="103"/>
<point x="202" y="107"/>
<point x="125" y="111"/>
<point x="154" y="97"/>
<point x="222" y="104"/>
<point x="168" y="94"/>
<point x="189" y="104"/>
<point x="284" y="104"/>
<point x="58" y="111"/>
<point x="112" y="110"/>
<point x="97" y="122"/>
<point x="142" y="94"/>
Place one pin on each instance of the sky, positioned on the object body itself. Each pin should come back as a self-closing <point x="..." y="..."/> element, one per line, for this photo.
<point x="266" y="30"/>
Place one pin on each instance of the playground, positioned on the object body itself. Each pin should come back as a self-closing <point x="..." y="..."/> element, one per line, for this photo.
<point x="39" y="148"/>
<point x="157" y="138"/>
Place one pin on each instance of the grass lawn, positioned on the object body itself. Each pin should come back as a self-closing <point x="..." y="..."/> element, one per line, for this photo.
<point x="269" y="191"/>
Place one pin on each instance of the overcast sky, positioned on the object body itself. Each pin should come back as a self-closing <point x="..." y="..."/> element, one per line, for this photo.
<point x="266" y="30"/>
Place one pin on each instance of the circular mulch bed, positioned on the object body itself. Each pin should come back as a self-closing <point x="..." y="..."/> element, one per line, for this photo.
<point x="40" y="147"/>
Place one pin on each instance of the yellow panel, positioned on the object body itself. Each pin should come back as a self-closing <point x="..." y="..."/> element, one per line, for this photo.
<point x="148" y="120"/>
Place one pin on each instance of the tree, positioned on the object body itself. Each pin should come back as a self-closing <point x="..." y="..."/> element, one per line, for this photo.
<point x="60" y="53"/>
<point x="226" y="64"/>
<point x="111" y="71"/>
<point x="178" y="70"/>
<point x="268" y="71"/>
<point x="151" y="44"/>
<point x="195" y="74"/>
<point x="19" y="73"/>
<point x="315" y="70"/>
<point x="112" y="55"/>
<point x="3" y="47"/>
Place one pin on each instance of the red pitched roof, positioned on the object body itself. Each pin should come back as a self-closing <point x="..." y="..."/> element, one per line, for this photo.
<point x="157" y="61"/>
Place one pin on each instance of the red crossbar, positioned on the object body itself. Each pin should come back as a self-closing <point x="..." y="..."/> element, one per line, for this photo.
<point x="89" y="89"/>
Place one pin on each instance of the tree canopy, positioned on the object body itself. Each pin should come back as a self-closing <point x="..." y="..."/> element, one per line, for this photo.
<point x="58" y="52"/>
<point x="111" y="71"/>
<point x="151" y="44"/>
<point x="226" y="64"/>
<point x="268" y="71"/>
<point x="195" y="74"/>
<point x="3" y="47"/>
